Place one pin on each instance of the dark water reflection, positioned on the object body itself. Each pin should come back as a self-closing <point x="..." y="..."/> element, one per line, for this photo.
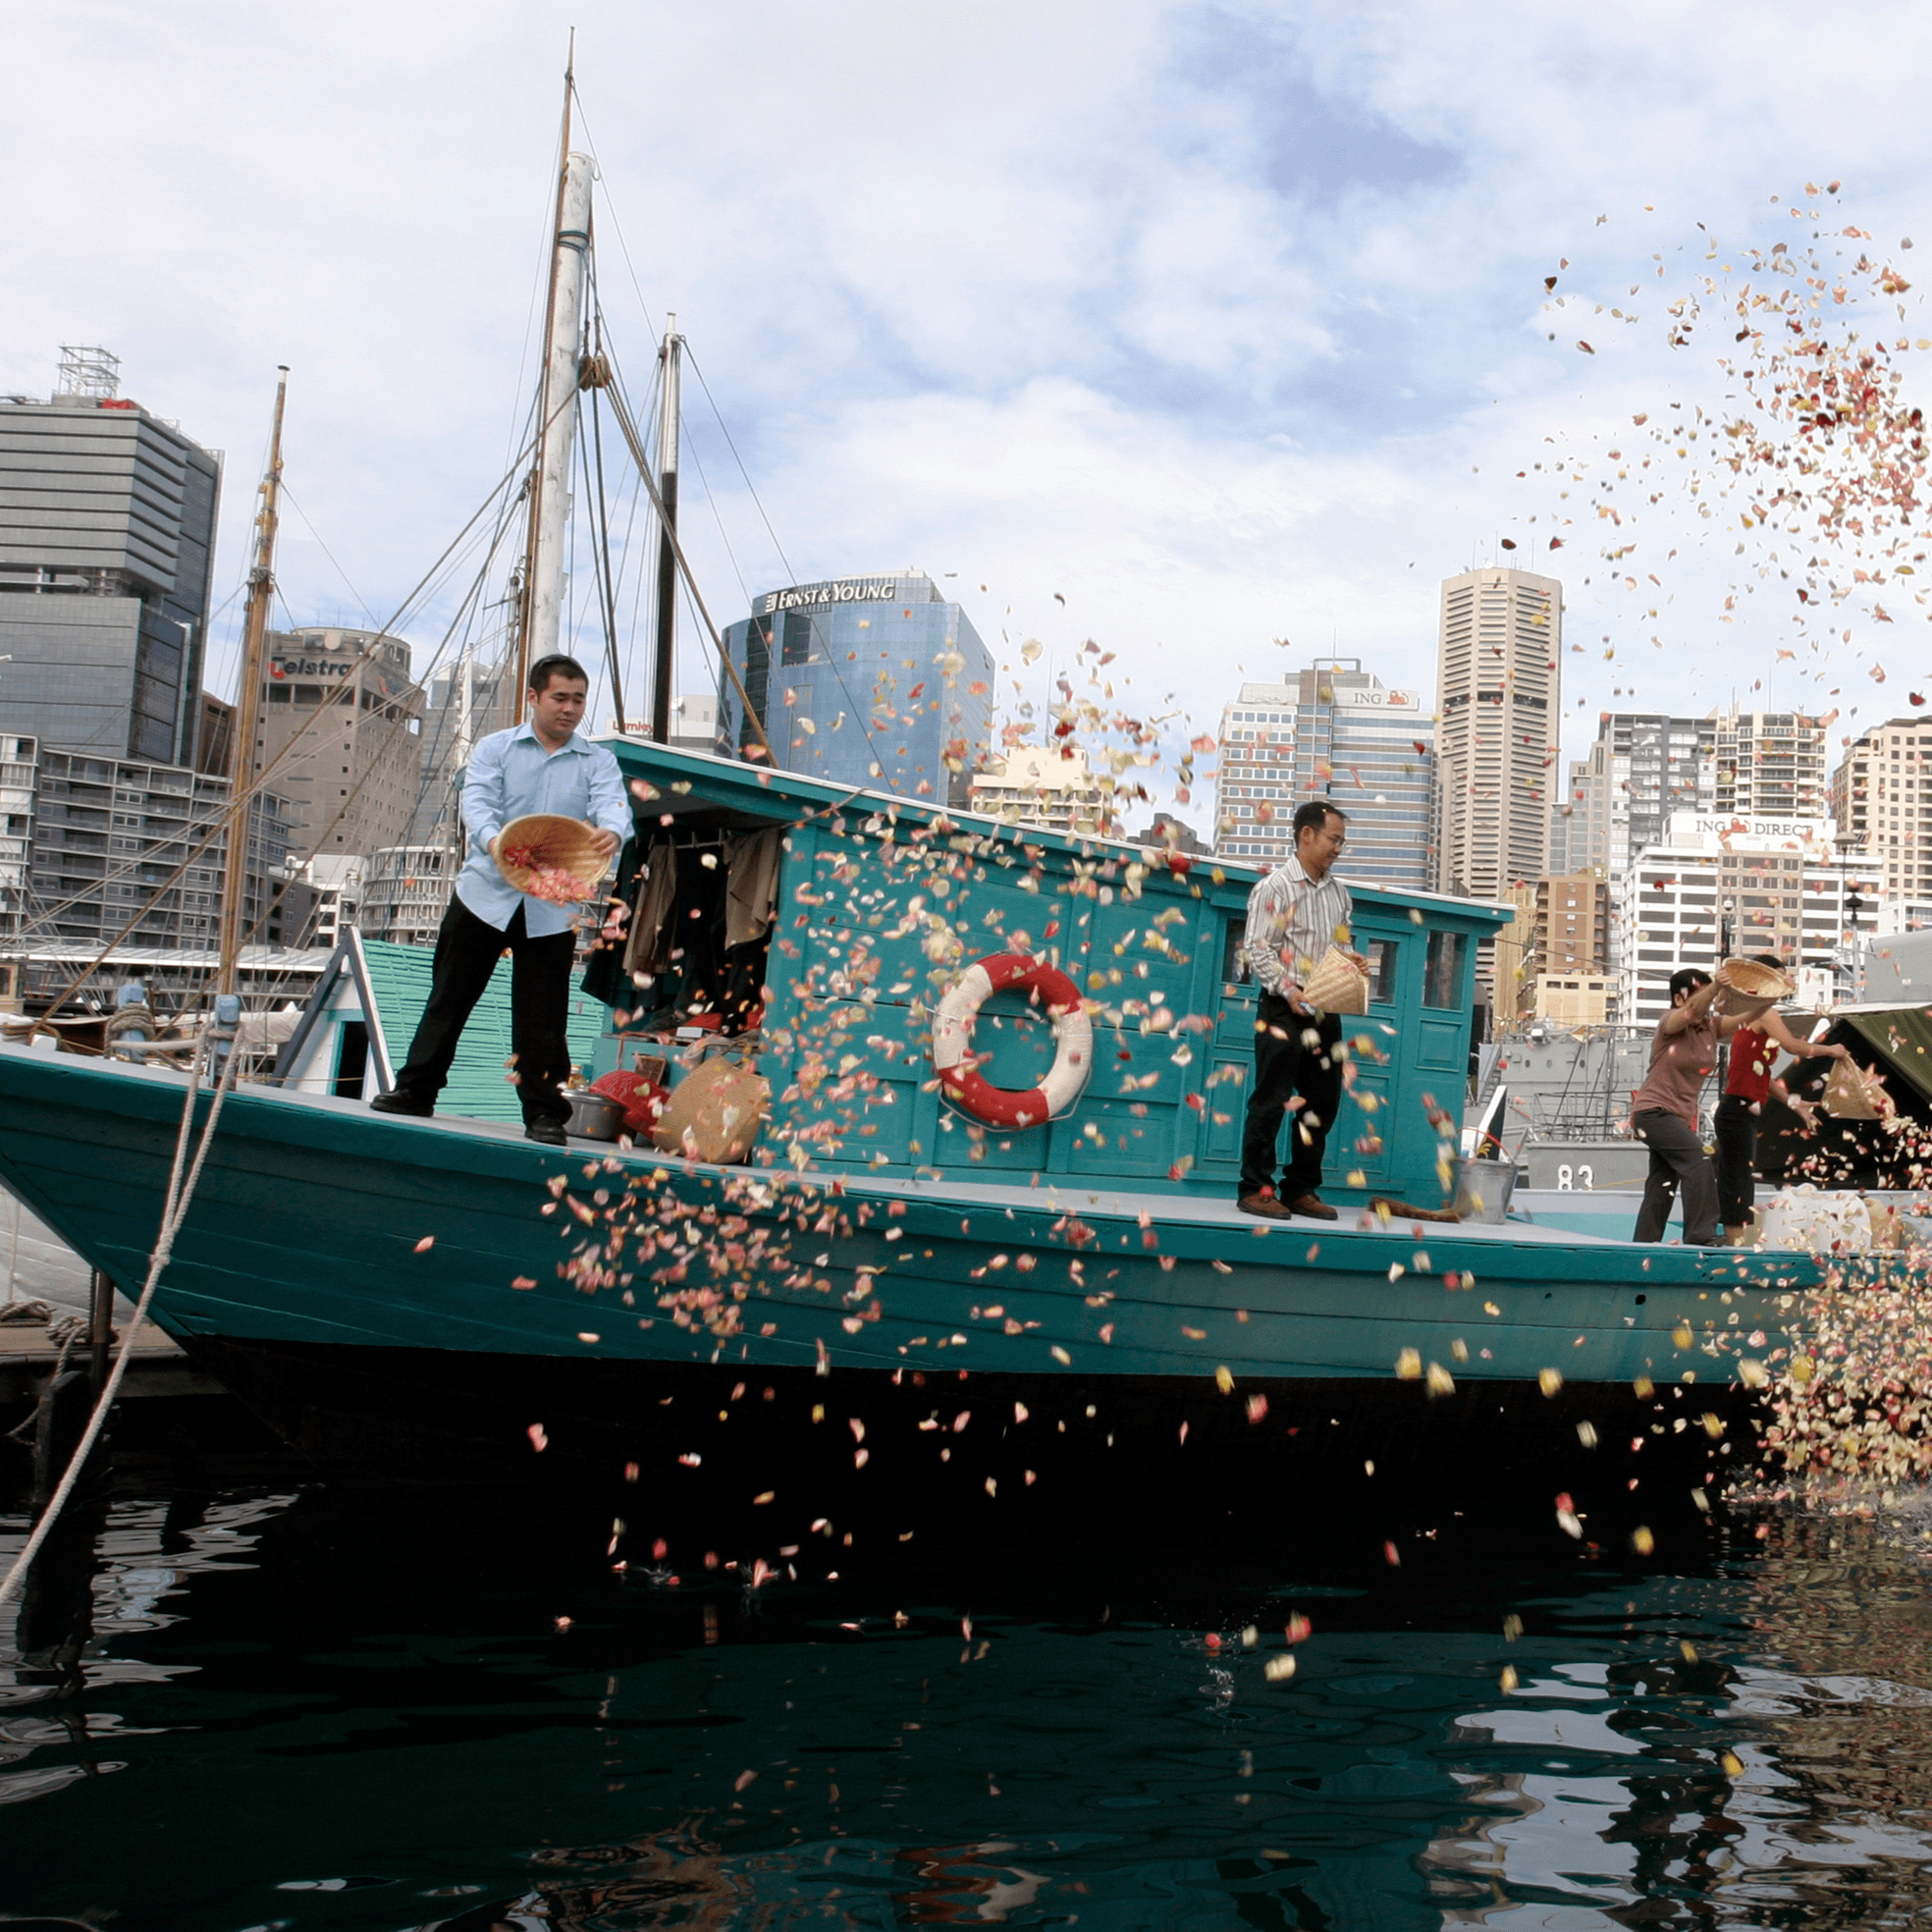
<point x="302" y="1708"/>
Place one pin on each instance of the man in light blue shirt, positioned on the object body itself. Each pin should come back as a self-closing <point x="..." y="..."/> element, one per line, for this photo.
<point x="539" y="766"/>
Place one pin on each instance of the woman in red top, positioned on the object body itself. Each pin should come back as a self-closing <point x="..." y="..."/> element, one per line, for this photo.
<point x="1747" y="1086"/>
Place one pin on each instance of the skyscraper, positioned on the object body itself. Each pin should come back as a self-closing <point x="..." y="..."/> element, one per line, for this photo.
<point x="1881" y="798"/>
<point x="107" y="531"/>
<point x="874" y="682"/>
<point x="1771" y="764"/>
<point x="1621" y="795"/>
<point x="1498" y="696"/>
<point x="1372" y="751"/>
<point x="1254" y="781"/>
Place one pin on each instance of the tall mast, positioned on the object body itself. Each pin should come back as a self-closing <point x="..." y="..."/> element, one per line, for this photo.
<point x="541" y="609"/>
<point x="248" y="705"/>
<point x="664" y="663"/>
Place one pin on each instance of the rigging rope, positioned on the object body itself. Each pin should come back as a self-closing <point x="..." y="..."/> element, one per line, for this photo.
<point x="180" y="1192"/>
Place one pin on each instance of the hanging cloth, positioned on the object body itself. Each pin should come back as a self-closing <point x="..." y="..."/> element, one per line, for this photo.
<point x="751" y="897"/>
<point x="649" y="941"/>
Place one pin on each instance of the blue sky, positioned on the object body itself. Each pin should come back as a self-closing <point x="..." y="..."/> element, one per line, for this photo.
<point x="1225" y="323"/>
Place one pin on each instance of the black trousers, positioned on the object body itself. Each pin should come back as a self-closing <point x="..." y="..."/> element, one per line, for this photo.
<point x="1285" y="1066"/>
<point x="1676" y="1160"/>
<point x="467" y="953"/>
<point x="1737" y="1150"/>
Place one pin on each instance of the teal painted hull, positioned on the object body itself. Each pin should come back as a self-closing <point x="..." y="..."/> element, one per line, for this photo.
<point x="311" y="1215"/>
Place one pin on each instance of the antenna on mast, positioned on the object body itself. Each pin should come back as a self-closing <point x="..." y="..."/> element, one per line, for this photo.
<point x="663" y="663"/>
<point x="540" y="599"/>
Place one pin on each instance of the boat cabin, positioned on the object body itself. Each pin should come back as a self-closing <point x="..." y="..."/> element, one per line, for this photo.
<point x="355" y="1028"/>
<point x="819" y="928"/>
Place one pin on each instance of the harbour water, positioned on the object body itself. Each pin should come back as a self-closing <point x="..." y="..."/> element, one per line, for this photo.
<point x="239" y="1699"/>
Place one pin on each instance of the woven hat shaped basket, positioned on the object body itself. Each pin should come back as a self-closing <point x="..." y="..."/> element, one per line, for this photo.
<point x="1851" y="1095"/>
<point x="545" y="841"/>
<point x="1337" y="985"/>
<point x="1746" y="988"/>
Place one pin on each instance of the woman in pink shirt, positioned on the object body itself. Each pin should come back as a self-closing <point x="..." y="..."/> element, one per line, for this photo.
<point x="1664" y="1111"/>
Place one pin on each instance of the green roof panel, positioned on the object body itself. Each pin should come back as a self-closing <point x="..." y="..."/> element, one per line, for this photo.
<point x="479" y="1087"/>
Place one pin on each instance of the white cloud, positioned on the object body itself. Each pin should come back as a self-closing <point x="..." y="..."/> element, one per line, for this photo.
<point x="1213" y="319"/>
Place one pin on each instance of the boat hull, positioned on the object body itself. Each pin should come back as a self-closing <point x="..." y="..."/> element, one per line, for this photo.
<point x="413" y="1297"/>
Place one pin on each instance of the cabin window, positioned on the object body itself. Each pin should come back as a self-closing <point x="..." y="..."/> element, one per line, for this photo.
<point x="1381" y="969"/>
<point x="1234" y="962"/>
<point x="1442" y="969"/>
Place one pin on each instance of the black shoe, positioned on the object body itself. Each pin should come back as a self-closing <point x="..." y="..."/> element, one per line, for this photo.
<point x="397" y="1101"/>
<point x="550" y="1132"/>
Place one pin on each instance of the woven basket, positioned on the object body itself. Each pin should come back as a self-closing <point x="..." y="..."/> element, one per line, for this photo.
<point x="1746" y="988"/>
<point x="543" y="841"/>
<point x="1849" y="1094"/>
<point x="1337" y="985"/>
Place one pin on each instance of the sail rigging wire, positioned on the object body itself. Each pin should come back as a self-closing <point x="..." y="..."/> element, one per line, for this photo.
<point x="821" y="631"/>
<point x="669" y="529"/>
<point x="326" y="552"/>
<point x="261" y="783"/>
<point x="857" y="711"/>
<point x="179" y="1194"/>
<point x="194" y="992"/>
<point x="128" y="865"/>
<point x="601" y="555"/>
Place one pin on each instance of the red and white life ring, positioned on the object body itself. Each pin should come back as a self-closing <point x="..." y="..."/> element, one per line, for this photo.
<point x="1073" y="1041"/>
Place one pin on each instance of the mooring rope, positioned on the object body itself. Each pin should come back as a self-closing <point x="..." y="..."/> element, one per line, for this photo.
<point x="173" y="1210"/>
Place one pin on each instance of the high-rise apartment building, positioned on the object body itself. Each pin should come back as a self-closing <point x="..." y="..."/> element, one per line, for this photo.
<point x="866" y="682"/>
<point x="1723" y="885"/>
<point x="20" y="793"/>
<point x="108" y="844"/>
<point x="340" y="722"/>
<point x="464" y="702"/>
<point x="1621" y="795"/>
<point x="1561" y="932"/>
<point x="1498" y="697"/>
<point x="107" y="533"/>
<point x="1572" y="923"/>
<point x="1372" y="751"/>
<point x="1771" y="764"/>
<point x="1255" y="781"/>
<point x="1881" y="796"/>
<point x="1052" y="787"/>
<point x="406" y="891"/>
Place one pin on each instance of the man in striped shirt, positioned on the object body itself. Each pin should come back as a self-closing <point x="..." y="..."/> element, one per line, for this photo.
<point x="1294" y="916"/>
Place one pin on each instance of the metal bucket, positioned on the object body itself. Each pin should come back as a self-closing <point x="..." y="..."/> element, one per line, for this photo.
<point x="594" y="1116"/>
<point x="1483" y="1189"/>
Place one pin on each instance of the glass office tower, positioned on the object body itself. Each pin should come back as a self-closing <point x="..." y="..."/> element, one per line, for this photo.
<point x="866" y="682"/>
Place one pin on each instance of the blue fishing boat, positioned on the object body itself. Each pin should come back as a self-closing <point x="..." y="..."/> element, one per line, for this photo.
<point x="981" y="1089"/>
<point x="887" y="1285"/>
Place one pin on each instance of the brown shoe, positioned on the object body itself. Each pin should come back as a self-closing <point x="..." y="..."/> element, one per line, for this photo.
<point x="1315" y="1208"/>
<point x="1266" y="1205"/>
